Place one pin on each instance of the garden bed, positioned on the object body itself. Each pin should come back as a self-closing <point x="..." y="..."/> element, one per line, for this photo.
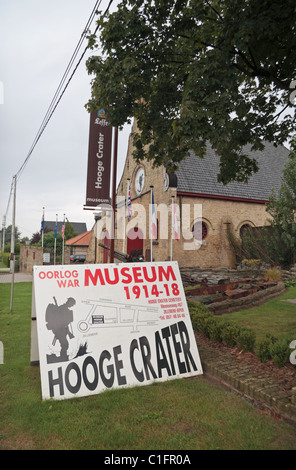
<point x="232" y="296"/>
<point x="285" y="376"/>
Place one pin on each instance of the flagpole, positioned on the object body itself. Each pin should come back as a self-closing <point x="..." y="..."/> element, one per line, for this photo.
<point x="124" y="228"/>
<point x="55" y="240"/>
<point x="151" y="214"/>
<point x="172" y="228"/>
<point x="42" y="234"/>
<point x="126" y="213"/>
<point x="63" y="235"/>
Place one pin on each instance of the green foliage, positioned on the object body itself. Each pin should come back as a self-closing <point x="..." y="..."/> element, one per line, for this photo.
<point x="276" y="349"/>
<point x="49" y="240"/>
<point x="215" y="329"/>
<point x="275" y="244"/>
<point x="199" y="314"/>
<point x="6" y="258"/>
<point x="275" y="316"/>
<point x="273" y="274"/>
<point x="280" y="352"/>
<point x="191" y="73"/>
<point x="282" y="208"/>
<point x="219" y="330"/>
<point x="69" y="231"/>
<point x="230" y="334"/>
<point x="246" y="339"/>
<point x="264" y="347"/>
<point x="17" y="234"/>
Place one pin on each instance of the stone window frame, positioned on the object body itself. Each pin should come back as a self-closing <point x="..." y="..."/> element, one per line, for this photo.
<point x="242" y="224"/>
<point x="206" y="226"/>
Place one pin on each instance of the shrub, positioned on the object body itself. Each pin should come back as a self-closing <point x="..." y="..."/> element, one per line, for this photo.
<point x="252" y="263"/>
<point x="215" y="330"/>
<point x="280" y="352"/>
<point x="263" y="353"/>
<point x="246" y="339"/>
<point x="205" y="324"/>
<point x="199" y="313"/>
<point x="197" y="320"/>
<point x="264" y="347"/>
<point x="6" y="259"/>
<point x="230" y="333"/>
<point x="273" y="274"/>
<point x="197" y="307"/>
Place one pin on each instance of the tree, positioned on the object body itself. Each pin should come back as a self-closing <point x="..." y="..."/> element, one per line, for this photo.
<point x="49" y="241"/>
<point x="17" y="234"/>
<point x="197" y="71"/>
<point x="282" y="208"/>
<point x="36" y="237"/>
<point x="69" y="231"/>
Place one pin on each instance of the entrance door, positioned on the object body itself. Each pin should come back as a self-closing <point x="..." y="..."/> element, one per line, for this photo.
<point x="135" y="240"/>
<point x="106" y="252"/>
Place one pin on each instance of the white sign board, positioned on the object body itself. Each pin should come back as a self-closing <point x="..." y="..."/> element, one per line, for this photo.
<point x="108" y="326"/>
<point x="46" y="257"/>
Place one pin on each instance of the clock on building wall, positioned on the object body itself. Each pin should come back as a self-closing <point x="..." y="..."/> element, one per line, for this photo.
<point x="139" y="180"/>
<point x="169" y="180"/>
<point x="166" y="181"/>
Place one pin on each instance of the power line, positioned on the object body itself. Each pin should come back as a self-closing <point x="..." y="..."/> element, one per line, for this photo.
<point x="53" y="105"/>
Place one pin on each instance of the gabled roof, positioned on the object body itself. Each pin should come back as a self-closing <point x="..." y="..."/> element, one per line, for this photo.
<point x="199" y="176"/>
<point x="80" y="240"/>
<point x="79" y="227"/>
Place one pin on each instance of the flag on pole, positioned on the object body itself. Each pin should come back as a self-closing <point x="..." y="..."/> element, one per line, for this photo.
<point x="63" y="228"/>
<point x="56" y="228"/>
<point x="63" y="234"/>
<point x="175" y="223"/>
<point x="42" y="223"/>
<point x="129" y="202"/>
<point x="153" y="218"/>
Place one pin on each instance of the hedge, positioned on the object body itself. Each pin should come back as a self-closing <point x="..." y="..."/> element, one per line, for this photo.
<point x="231" y="334"/>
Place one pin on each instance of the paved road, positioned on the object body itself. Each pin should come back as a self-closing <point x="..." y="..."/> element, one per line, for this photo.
<point x="18" y="277"/>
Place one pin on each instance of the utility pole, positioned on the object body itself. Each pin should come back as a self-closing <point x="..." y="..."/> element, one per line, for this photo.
<point x="3" y="235"/>
<point x="12" y="244"/>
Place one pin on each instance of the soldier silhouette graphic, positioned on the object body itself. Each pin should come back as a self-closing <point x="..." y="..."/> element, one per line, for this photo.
<point x="58" y="320"/>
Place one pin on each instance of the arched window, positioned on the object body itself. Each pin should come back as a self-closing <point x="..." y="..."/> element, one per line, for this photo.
<point x="200" y="230"/>
<point x="244" y="229"/>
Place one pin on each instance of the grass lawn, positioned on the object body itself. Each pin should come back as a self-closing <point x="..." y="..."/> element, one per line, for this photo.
<point x="277" y="316"/>
<point x="187" y="414"/>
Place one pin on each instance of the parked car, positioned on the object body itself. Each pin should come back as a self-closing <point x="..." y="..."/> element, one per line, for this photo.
<point x="77" y="258"/>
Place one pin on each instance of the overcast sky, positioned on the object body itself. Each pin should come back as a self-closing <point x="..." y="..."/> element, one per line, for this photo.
<point x="37" y="40"/>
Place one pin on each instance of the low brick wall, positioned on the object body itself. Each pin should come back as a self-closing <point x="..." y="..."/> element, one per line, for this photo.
<point x="195" y="274"/>
<point x="257" y="386"/>
<point x="30" y="256"/>
<point x="252" y="300"/>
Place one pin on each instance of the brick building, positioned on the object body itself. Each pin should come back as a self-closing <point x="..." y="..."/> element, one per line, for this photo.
<point x="79" y="244"/>
<point x="194" y="186"/>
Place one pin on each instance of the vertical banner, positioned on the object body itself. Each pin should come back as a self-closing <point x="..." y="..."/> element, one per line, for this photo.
<point x="99" y="160"/>
<point x="110" y="326"/>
